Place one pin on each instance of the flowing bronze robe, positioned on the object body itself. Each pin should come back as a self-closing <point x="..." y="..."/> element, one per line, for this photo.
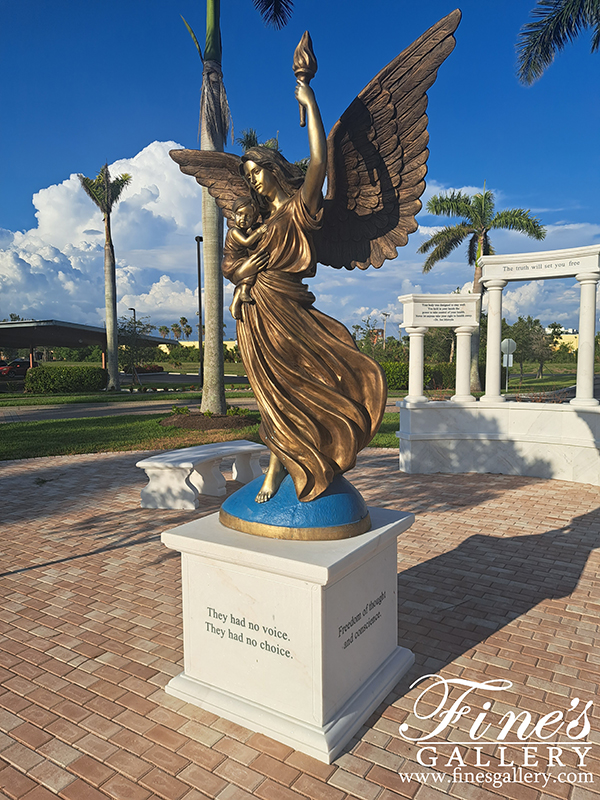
<point x="321" y="399"/>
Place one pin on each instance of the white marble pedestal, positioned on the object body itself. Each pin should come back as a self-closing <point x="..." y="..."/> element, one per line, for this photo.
<point x="296" y="640"/>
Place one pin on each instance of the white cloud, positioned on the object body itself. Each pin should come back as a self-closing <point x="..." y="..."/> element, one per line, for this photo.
<point x="433" y="187"/>
<point x="56" y="269"/>
<point x="517" y="301"/>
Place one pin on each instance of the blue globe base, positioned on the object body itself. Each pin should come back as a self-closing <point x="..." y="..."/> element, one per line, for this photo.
<point x="339" y="513"/>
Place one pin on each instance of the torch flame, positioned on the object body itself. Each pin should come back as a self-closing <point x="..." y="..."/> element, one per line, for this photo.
<point x="305" y="62"/>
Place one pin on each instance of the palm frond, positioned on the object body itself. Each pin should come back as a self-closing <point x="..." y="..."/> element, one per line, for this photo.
<point x="596" y="34"/>
<point x="554" y="24"/>
<point x="94" y="190"/>
<point x="302" y="163"/>
<point x="480" y="218"/>
<point x="452" y="204"/>
<point x="482" y="205"/>
<point x="442" y="243"/>
<point x="117" y="186"/>
<point x="193" y="35"/>
<point x="272" y="144"/>
<point x="517" y="219"/>
<point x="247" y="139"/>
<point x="275" y="12"/>
<point x="103" y="191"/>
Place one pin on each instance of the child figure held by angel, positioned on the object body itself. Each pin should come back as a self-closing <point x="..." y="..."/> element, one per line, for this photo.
<point x="238" y="243"/>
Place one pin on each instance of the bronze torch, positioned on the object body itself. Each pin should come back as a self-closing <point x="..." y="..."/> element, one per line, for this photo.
<point x="305" y="66"/>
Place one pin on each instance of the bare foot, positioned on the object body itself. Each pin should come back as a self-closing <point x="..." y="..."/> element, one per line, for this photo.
<point x="273" y="478"/>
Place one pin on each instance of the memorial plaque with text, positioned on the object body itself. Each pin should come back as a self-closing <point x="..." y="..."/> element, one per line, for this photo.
<point x="440" y="310"/>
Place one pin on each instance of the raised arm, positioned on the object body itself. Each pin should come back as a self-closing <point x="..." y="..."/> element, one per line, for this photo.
<point x="317" y="142"/>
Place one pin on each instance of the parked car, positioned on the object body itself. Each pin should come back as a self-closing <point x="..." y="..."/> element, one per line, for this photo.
<point x="16" y="368"/>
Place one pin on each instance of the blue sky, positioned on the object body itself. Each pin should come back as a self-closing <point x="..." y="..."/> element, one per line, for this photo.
<point x="85" y="83"/>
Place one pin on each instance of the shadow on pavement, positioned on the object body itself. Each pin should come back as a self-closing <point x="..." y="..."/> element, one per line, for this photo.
<point x="452" y="602"/>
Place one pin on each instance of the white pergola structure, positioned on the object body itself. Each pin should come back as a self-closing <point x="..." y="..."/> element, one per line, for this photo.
<point x="424" y="311"/>
<point x="582" y="263"/>
<point x="493" y="435"/>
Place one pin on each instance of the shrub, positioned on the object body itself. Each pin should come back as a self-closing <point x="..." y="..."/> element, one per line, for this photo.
<point x="149" y="368"/>
<point x="232" y="355"/>
<point x="65" y="380"/>
<point x="238" y="411"/>
<point x="442" y="376"/>
<point x="396" y="374"/>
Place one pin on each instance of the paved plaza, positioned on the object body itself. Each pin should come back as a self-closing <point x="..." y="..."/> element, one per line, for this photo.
<point x="499" y="581"/>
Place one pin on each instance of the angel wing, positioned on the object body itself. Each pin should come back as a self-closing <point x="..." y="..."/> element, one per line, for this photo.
<point x="219" y="172"/>
<point x="376" y="157"/>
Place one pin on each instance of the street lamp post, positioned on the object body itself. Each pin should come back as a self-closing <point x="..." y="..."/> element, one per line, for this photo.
<point x="135" y="378"/>
<point x="200" y="353"/>
<point x="385" y="315"/>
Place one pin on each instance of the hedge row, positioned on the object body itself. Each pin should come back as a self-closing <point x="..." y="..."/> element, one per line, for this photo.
<point x="442" y="376"/>
<point x="64" y="380"/>
<point x="435" y="376"/>
<point x="396" y="374"/>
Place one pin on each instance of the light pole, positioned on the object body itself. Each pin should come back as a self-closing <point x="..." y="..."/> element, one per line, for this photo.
<point x="385" y="315"/>
<point x="135" y="378"/>
<point x="200" y="353"/>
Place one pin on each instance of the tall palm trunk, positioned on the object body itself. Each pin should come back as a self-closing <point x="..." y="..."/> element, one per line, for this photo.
<point x="213" y="389"/>
<point x="110" y="304"/>
<point x="476" y="336"/>
<point x="214" y="115"/>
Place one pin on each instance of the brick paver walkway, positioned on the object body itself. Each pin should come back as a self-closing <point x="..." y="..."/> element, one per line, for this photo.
<point x="498" y="581"/>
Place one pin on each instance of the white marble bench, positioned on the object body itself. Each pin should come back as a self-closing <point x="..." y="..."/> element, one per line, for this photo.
<point x="177" y="477"/>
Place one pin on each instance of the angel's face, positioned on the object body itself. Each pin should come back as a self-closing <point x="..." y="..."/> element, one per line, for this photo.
<point x="260" y="179"/>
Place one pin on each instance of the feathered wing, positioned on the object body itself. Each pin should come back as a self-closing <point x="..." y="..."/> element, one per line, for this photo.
<point x="376" y="157"/>
<point x="219" y="172"/>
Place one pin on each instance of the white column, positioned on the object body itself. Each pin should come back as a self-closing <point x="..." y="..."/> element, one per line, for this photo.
<point x="415" y="365"/>
<point x="463" y="365"/>
<point x="494" y="338"/>
<point x="584" y="392"/>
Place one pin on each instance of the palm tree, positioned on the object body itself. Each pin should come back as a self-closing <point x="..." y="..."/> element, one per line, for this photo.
<point x="478" y="218"/>
<point x="176" y="328"/>
<point x="106" y="193"/>
<point x="186" y="328"/>
<point x="555" y="22"/>
<point x="249" y="138"/>
<point x="215" y="124"/>
<point x="164" y="331"/>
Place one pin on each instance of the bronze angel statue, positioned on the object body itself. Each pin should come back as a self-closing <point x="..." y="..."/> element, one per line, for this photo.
<point x="321" y="399"/>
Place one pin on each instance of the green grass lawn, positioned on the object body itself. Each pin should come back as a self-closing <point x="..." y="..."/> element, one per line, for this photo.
<point x="386" y="435"/>
<point x="102" y="435"/>
<point x="529" y="383"/>
<point x="128" y="432"/>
